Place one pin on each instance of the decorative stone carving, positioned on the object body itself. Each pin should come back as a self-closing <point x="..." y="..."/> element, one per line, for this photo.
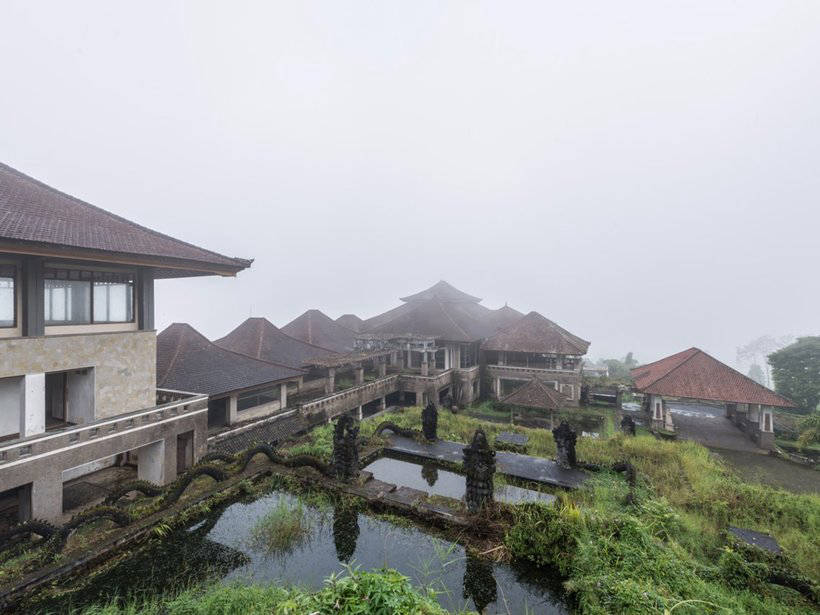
<point x="565" y="438"/>
<point x="628" y="425"/>
<point x="345" y="448"/>
<point x="479" y="466"/>
<point x="429" y="421"/>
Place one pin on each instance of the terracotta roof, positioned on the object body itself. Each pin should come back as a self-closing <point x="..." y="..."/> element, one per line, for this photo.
<point x="350" y="321"/>
<point x="693" y="374"/>
<point x="316" y="328"/>
<point x="444" y="292"/>
<point x="38" y="219"/>
<point x="260" y="339"/>
<point x="453" y="322"/>
<point x="537" y="334"/>
<point x="503" y="317"/>
<point x="536" y="394"/>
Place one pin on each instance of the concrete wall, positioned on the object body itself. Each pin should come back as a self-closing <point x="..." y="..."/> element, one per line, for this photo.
<point x="124" y="365"/>
<point x="10" y="406"/>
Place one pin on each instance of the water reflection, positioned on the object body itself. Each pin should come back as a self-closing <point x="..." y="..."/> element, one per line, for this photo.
<point x="429" y="472"/>
<point x="345" y="531"/>
<point x="479" y="583"/>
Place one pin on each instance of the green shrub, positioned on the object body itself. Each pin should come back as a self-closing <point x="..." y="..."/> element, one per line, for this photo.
<point x="282" y="529"/>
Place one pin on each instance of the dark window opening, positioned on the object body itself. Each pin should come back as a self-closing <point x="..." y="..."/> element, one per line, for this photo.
<point x="8" y="296"/>
<point x="252" y="399"/>
<point x="74" y="297"/>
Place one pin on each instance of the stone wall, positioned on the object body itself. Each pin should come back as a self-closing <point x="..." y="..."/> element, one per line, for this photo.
<point x="124" y="365"/>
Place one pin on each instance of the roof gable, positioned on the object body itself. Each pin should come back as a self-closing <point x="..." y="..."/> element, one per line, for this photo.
<point x="536" y="334"/>
<point x="442" y="291"/>
<point x="38" y="215"/>
<point x="694" y="374"/>
<point x="261" y="339"/>
<point x="454" y="322"/>
<point x="350" y="321"/>
<point x="188" y="361"/>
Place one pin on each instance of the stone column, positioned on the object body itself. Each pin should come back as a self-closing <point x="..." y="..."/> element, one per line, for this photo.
<point x="47" y="496"/>
<point x="233" y="405"/>
<point x="330" y="382"/>
<point x="382" y="366"/>
<point x="425" y="366"/>
<point x="565" y="438"/>
<point x="151" y="462"/>
<point x="447" y="350"/>
<point x="283" y="395"/>
<point x="479" y="466"/>
<point x="383" y="403"/>
<point x="766" y="438"/>
<point x="32" y="405"/>
<point x="359" y="371"/>
<point x="360" y="413"/>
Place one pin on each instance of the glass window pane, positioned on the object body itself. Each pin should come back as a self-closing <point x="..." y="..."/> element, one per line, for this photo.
<point x="113" y="302"/>
<point x="6" y="302"/>
<point x="67" y="302"/>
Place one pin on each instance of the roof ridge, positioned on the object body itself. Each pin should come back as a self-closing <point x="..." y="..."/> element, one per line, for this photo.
<point x="79" y="201"/>
<point x="447" y="314"/>
<point x="180" y="340"/>
<point x="676" y="367"/>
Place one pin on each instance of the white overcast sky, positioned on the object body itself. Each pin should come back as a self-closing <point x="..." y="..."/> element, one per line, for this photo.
<point x="646" y="174"/>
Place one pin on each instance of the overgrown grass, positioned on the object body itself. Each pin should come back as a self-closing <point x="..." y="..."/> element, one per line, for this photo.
<point x="381" y="592"/>
<point x="281" y="529"/>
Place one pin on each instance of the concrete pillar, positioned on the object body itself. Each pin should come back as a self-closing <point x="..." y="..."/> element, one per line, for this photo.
<point x="447" y="350"/>
<point x="425" y="366"/>
<point x="233" y="408"/>
<point x="382" y="368"/>
<point x="409" y="356"/>
<point x="299" y="384"/>
<point x="33" y="405"/>
<point x="502" y="357"/>
<point x="420" y="399"/>
<point x="383" y="403"/>
<point x="330" y="381"/>
<point x="359" y="371"/>
<point x="498" y="388"/>
<point x="360" y="413"/>
<point x="283" y="395"/>
<point x="47" y="497"/>
<point x="151" y="462"/>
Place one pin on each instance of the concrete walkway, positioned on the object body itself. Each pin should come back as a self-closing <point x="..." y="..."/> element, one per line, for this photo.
<point x="524" y="467"/>
<point x="709" y="426"/>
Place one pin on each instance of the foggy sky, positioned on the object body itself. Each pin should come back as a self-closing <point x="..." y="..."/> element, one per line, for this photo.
<point x="646" y="174"/>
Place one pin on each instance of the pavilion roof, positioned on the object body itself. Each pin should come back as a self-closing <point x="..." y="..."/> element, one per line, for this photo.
<point x="536" y="334"/>
<point x="40" y="220"/>
<point x="443" y="291"/>
<point x="261" y="339"/>
<point x="694" y="374"/>
<point x="536" y="394"/>
<point x="503" y="317"/>
<point x="316" y="328"/>
<point x="450" y="321"/>
<point x="188" y="361"/>
<point x="350" y="321"/>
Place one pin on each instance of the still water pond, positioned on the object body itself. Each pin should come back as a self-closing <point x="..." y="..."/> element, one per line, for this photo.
<point x="222" y="547"/>
<point x="435" y="481"/>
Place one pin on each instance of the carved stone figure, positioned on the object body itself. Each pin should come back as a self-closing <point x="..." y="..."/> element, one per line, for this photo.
<point x="429" y="421"/>
<point x="479" y="466"/>
<point x="345" y="448"/>
<point x="565" y="438"/>
<point x="628" y="425"/>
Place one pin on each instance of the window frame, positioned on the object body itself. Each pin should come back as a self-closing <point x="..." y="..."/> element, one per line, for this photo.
<point x="14" y="290"/>
<point x="77" y="274"/>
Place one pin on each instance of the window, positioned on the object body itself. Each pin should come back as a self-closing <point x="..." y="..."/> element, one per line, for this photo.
<point x="8" y="299"/>
<point x="83" y="297"/>
<point x="251" y="399"/>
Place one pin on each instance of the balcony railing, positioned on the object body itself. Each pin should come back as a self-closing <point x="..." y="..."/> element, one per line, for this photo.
<point x="530" y="370"/>
<point x="51" y="441"/>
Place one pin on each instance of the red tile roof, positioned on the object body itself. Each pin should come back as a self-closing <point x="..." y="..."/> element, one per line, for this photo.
<point x="536" y="334"/>
<point x="693" y="374"/>
<point x="34" y="215"/>
<point x="188" y="361"/>
<point x="261" y="339"/>
<point x="316" y="328"/>
<point x="536" y="394"/>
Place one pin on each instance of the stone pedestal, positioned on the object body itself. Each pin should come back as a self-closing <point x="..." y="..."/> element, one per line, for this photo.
<point x="565" y="438"/>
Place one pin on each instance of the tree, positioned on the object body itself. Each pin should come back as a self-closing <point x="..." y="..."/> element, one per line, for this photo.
<point x="756" y="374"/>
<point x="796" y="371"/>
<point x="619" y="368"/>
<point x="756" y="351"/>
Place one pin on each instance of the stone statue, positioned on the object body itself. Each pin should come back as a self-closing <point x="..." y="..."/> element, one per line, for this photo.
<point x="479" y="466"/>
<point x="565" y="438"/>
<point x="429" y="421"/>
<point x="628" y="425"/>
<point x="345" y="460"/>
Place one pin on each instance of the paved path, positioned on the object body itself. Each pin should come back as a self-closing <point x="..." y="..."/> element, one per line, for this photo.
<point x="709" y="426"/>
<point x="525" y="467"/>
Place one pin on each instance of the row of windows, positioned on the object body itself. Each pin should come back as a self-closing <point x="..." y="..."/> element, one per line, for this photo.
<point x="257" y="398"/>
<point x="73" y="297"/>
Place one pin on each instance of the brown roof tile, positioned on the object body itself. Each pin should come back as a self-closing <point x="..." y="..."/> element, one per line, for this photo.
<point x="187" y="361"/>
<point x="316" y="328"/>
<point x="444" y="292"/>
<point x="350" y="321"/>
<point x="537" y="334"/>
<point x="37" y="215"/>
<point x="693" y="374"/>
<point x="453" y="322"/>
<point x="536" y="394"/>
<point x="260" y="339"/>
